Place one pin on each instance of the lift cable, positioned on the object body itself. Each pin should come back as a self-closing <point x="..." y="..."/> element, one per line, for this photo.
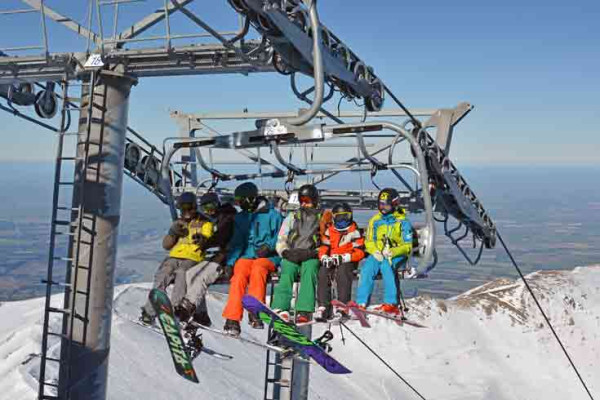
<point x="543" y="314"/>
<point x="382" y="360"/>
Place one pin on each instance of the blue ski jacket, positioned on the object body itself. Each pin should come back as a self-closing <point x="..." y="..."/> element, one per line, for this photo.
<point x="253" y="230"/>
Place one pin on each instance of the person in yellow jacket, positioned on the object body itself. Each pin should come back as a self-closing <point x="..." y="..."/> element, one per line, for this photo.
<point x="388" y="242"/>
<point x="185" y="241"/>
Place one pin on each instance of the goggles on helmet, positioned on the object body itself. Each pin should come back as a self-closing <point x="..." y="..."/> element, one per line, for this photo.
<point x="342" y="220"/>
<point x="187" y="207"/>
<point x="209" y="208"/>
<point x="305" y="200"/>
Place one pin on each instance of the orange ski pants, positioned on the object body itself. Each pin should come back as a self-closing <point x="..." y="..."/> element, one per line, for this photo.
<point x="247" y="270"/>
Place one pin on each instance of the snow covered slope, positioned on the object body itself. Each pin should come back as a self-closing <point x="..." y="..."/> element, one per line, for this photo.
<point x="488" y="343"/>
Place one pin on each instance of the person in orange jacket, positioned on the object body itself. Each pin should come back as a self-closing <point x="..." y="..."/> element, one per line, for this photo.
<point x="341" y="249"/>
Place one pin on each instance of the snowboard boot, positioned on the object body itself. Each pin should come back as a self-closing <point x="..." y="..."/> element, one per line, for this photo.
<point x="146" y="318"/>
<point x="303" y="317"/>
<point x="202" y="318"/>
<point x="185" y="310"/>
<point x="322" y="314"/>
<point x="232" y="328"/>
<point x="255" y="322"/>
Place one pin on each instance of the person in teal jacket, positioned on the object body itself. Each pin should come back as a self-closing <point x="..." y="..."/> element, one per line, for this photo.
<point x="389" y="243"/>
<point x="251" y="253"/>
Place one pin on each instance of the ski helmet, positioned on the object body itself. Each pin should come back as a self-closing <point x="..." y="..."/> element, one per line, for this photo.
<point x="187" y="201"/>
<point x="342" y="216"/>
<point x="388" y="201"/>
<point x="308" y="194"/>
<point x="245" y="196"/>
<point x="209" y="203"/>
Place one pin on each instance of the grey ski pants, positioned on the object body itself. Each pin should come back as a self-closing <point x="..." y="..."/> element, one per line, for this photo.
<point x="171" y="270"/>
<point x="343" y="274"/>
<point x="199" y="278"/>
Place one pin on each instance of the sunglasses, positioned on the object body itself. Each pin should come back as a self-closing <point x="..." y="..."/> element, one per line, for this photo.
<point x="345" y="214"/>
<point x="305" y="200"/>
<point x="209" y="206"/>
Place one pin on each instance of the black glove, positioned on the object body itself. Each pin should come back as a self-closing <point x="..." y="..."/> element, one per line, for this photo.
<point x="297" y="256"/>
<point x="199" y="240"/>
<point x="178" y="229"/>
<point x="225" y="271"/>
<point x="264" y="251"/>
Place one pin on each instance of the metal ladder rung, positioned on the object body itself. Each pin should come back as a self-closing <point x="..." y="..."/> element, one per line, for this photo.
<point x="56" y="283"/>
<point x="62" y="258"/>
<point x="66" y="183"/>
<point x="68" y="158"/>
<point x="81" y="292"/>
<point x="67" y="208"/>
<point x="49" y="397"/>
<point x="65" y="233"/>
<point x="62" y="222"/>
<point x="59" y="310"/>
<point x="60" y="335"/>
<point x="58" y="360"/>
<point x="51" y="384"/>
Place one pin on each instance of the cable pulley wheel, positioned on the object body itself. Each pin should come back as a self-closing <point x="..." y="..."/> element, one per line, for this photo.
<point x="46" y="104"/>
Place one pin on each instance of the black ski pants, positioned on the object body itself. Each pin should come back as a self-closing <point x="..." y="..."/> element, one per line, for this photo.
<point x="343" y="274"/>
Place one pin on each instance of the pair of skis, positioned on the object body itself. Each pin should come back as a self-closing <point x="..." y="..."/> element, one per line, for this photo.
<point x="361" y="314"/>
<point x="292" y="340"/>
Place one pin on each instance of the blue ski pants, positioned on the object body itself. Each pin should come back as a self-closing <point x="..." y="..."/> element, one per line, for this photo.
<point x="369" y="271"/>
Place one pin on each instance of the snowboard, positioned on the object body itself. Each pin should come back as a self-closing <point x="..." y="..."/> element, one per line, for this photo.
<point x="170" y="326"/>
<point x="356" y="312"/>
<point x="194" y="352"/>
<point x="292" y="338"/>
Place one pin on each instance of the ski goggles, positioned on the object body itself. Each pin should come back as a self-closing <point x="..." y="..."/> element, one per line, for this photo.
<point x="209" y="208"/>
<point x="342" y="216"/>
<point x="305" y="200"/>
<point x="187" y="207"/>
<point x="385" y="206"/>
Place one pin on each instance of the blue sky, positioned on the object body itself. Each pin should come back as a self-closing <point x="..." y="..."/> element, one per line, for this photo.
<point x="531" y="68"/>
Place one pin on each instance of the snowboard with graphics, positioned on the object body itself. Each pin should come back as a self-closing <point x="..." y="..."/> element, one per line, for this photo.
<point x="292" y="338"/>
<point x="164" y="311"/>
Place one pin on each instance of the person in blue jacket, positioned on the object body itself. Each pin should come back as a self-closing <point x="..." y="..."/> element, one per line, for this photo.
<point x="251" y="253"/>
<point x="389" y="243"/>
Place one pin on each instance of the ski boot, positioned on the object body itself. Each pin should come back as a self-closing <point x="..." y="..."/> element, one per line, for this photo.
<point x="303" y="317"/>
<point x="146" y="318"/>
<point x="184" y="310"/>
<point x="322" y="314"/>
<point x="284" y="315"/>
<point x="388" y="309"/>
<point x="255" y="322"/>
<point x="202" y="318"/>
<point x="232" y="328"/>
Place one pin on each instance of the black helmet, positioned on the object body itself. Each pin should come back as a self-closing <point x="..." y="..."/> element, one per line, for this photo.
<point x="308" y="192"/>
<point x="388" y="200"/>
<point x="245" y="196"/>
<point x="187" y="200"/>
<point x="342" y="216"/>
<point x="245" y="190"/>
<point x="209" y="203"/>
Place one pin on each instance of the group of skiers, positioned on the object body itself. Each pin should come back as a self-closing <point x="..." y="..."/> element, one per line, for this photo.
<point x="312" y="245"/>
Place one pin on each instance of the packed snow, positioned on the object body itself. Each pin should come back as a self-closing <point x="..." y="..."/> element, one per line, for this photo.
<point x="488" y="343"/>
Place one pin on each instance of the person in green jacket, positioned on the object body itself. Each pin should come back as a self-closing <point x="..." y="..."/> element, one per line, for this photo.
<point x="388" y="242"/>
<point x="298" y="243"/>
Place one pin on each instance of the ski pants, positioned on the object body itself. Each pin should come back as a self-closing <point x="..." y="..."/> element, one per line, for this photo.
<point x="198" y="279"/>
<point x="248" y="273"/>
<point x="366" y="283"/>
<point x="308" y="271"/>
<point x="344" y="275"/>
<point x="171" y="270"/>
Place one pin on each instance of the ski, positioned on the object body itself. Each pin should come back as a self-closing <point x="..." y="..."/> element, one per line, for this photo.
<point x="280" y="350"/>
<point x="398" y="319"/>
<point x="359" y="315"/>
<point x="289" y="335"/>
<point x="170" y="326"/>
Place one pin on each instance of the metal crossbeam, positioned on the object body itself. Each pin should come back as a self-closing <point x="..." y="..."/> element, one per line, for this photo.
<point x="65" y="21"/>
